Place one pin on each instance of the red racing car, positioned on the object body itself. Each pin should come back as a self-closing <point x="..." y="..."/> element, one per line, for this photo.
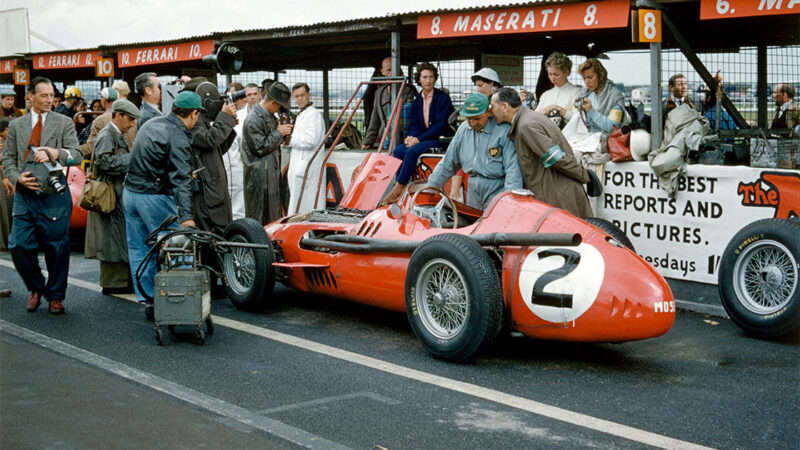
<point x="464" y="277"/>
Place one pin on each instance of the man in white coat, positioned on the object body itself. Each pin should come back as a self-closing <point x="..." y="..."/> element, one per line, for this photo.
<point x="308" y="133"/>
<point x="233" y="158"/>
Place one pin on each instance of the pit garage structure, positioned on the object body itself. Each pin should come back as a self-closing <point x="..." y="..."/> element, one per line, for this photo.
<point x="692" y="29"/>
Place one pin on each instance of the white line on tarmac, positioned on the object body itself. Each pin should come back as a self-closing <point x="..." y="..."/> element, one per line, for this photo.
<point x="204" y="401"/>
<point x="524" y="404"/>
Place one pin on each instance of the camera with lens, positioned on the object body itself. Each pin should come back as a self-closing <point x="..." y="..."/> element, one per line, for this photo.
<point x="49" y="175"/>
<point x="232" y="97"/>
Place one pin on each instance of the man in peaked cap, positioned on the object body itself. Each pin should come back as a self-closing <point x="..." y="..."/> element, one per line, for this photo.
<point x="108" y="96"/>
<point x="105" y="233"/>
<point x="158" y="183"/>
<point x="481" y="148"/>
<point x="261" y="143"/>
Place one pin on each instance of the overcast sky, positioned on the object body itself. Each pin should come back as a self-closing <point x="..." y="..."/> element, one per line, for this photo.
<point x="89" y="23"/>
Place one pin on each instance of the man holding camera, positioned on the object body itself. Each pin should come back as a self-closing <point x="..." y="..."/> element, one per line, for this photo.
<point x="212" y="136"/>
<point x="42" y="207"/>
<point x="261" y="144"/>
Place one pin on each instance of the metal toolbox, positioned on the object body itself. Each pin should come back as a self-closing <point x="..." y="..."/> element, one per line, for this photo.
<point x="182" y="297"/>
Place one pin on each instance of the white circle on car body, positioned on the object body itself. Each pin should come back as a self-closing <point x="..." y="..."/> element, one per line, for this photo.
<point x="566" y="279"/>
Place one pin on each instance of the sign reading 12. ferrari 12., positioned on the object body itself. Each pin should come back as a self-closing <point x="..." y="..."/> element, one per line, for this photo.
<point x="531" y="19"/>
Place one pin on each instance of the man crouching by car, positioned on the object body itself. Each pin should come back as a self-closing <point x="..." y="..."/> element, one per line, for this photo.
<point x="158" y="184"/>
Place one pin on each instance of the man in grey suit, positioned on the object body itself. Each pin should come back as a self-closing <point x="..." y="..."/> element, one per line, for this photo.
<point x="41" y="215"/>
<point x="149" y="88"/>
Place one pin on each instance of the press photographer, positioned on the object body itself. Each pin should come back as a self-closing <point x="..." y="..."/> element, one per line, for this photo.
<point x="212" y="135"/>
<point x="42" y="205"/>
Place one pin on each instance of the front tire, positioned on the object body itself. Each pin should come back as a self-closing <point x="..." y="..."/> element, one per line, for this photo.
<point x="758" y="278"/>
<point x="249" y="272"/>
<point x="454" y="300"/>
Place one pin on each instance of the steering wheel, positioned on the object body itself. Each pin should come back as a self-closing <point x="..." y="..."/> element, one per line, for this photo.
<point x="436" y="215"/>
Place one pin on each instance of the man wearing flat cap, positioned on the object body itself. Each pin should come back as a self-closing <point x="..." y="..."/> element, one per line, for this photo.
<point x="261" y="143"/>
<point x="108" y="95"/>
<point x="105" y="233"/>
<point x="158" y="183"/>
<point x="481" y="148"/>
<point x="9" y="110"/>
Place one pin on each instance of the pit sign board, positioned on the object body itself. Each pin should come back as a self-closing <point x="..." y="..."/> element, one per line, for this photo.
<point x="649" y="25"/>
<point x="104" y="67"/>
<point x="22" y="77"/>
<point x="732" y="9"/>
<point x="684" y="237"/>
<point x="531" y="19"/>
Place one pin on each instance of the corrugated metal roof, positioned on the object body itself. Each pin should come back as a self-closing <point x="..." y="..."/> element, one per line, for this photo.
<point x="218" y="34"/>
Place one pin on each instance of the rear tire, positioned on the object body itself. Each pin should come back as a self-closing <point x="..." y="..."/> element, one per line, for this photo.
<point x="758" y="278"/>
<point x="454" y="300"/>
<point x="614" y="231"/>
<point x="249" y="272"/>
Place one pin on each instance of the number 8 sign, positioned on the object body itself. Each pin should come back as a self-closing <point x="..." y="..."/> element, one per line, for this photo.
<point x="649" y="25"/>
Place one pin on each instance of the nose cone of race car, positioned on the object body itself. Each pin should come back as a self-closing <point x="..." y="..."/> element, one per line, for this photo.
<point x="639" y="306"/>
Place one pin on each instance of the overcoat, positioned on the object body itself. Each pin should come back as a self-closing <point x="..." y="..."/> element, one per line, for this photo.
<point x="211" y="201"/>
<point x="540" y="143"/>
<point x="105" y="233"/>
<point x="261" y="156"/>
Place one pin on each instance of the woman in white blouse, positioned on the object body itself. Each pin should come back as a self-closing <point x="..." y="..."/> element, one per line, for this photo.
<point x="560" y="99"/>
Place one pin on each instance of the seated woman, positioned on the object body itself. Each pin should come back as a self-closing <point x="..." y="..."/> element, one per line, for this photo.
<point x="558" y="102"/>
<point x="602" y="102"/>
<point x="429" y="113"/>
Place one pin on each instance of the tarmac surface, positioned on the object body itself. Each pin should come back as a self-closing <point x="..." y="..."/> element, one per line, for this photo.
<point x="320" y="373"/>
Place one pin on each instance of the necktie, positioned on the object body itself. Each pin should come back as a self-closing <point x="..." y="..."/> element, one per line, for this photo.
<point x="36" y="136"/>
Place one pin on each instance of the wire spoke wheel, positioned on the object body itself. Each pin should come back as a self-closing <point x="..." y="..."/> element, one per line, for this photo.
<point x="240" y="267"/>
<point x="444" y="304"/>
<point x="248" y="271"/>
<point x="454" y="301"/>
<point x="759" y="278"/>
<point x="765" y="277"/>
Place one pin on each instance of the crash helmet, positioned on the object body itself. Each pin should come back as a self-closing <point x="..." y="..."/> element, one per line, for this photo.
<point x="72" y="92"/>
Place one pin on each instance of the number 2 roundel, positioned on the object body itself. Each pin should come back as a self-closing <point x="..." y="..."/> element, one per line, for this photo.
<point x="558" y="284"/>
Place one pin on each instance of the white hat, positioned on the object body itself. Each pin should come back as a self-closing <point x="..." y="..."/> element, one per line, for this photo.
<point x="487" y="74"/>
<point x="640" y="144"/>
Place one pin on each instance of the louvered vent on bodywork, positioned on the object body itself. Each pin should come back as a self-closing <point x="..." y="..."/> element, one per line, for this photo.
<point x="322" y="278"/>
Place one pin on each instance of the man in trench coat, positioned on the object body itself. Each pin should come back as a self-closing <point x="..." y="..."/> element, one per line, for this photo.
<point x="212" y="136"/>
<point x="549" y="168"/>
<point x="261" y="144"/>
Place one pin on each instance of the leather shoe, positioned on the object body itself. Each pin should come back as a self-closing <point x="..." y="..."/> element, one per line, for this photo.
<point x="33" y="302"/>
<point x="56" y="307"/>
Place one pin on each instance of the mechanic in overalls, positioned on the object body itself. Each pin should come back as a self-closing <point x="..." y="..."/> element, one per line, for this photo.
<point x="482" y="148"/>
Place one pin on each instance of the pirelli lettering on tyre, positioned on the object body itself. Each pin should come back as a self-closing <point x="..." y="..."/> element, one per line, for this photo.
<point x="558" y="284"/>
<point x="747" y="242"/>
<point x="413" y="295"/>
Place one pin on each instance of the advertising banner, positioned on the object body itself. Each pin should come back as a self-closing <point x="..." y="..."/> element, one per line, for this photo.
<point x="684" y="237"/>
